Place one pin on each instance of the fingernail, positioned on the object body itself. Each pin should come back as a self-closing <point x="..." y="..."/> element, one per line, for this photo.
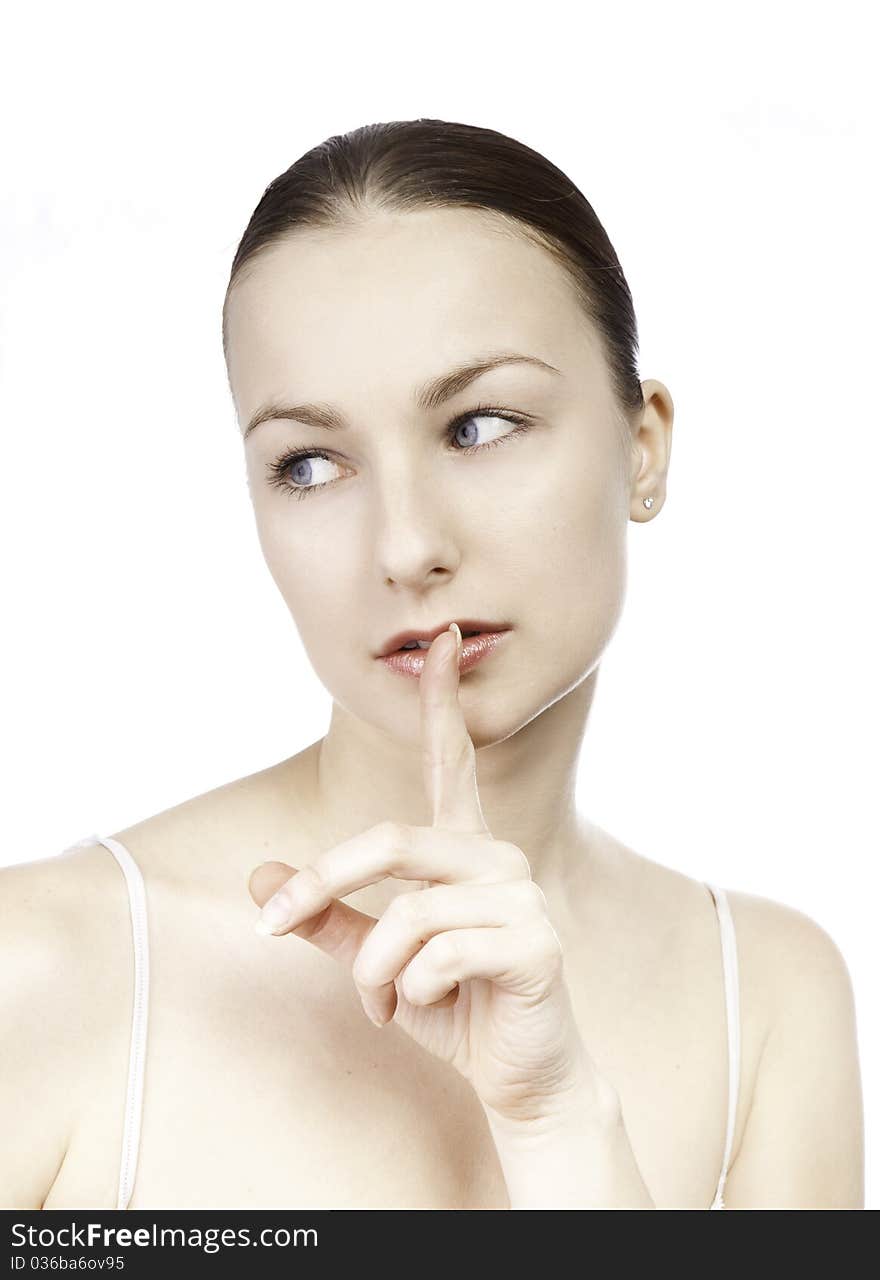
<point x="371" y="1009"/>
<point x="453" y="626"/>
<point x="275" y="913"/>
<point x="376" y="1021"/>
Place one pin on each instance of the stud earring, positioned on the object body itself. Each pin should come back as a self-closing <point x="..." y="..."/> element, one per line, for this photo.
<point x="649" y="502"/>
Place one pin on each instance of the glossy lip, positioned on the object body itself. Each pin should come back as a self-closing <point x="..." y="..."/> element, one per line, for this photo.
<point x="465" y="624"/>
<point x="411" y="662"/>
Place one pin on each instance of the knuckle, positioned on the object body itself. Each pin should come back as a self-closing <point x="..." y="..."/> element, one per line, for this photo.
<point x="519" y="864"/>
<point x="445" y="950"/>
<point x="550" y="943"/>
<point x="312" y="877"/>
<point x="395" y="838"/>
<point x="458" y="756"/>
<point x="409" y="910"/>
<point x="530" y="897"/>
<point x="366" y="970"/>
<point x="360" y="971"/>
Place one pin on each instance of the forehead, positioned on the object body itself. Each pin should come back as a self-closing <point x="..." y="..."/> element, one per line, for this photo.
<point x="393" y="300"/>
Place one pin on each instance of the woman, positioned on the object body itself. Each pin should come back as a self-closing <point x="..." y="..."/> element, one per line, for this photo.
<point x="431" y="349"/>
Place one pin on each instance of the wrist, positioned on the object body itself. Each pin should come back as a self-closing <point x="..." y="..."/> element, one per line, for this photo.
<point x="577" y="1156"/>
<point x="588" y="1104"/>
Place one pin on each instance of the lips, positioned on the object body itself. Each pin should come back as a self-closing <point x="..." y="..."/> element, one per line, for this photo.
<point x="480" y="625"/>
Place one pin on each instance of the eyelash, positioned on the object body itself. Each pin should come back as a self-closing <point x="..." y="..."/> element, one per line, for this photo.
<point x="278" y="469"/>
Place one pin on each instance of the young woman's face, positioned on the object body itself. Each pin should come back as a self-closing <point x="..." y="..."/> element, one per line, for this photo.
<point x="409" y="521"/>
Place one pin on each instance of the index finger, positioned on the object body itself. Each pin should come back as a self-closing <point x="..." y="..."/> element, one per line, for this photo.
<point x="448" y="758"/>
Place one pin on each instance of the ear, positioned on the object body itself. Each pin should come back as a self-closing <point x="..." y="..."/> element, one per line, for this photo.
<point x="652" y="448"/>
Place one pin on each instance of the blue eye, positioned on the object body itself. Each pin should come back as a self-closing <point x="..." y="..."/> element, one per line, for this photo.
<point x="467" y="419"/>
<point x="297" y="462"/>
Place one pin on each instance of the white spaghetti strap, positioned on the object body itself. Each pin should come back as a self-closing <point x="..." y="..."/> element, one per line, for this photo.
<point x="137" y="1055"/>
<point x="731" y="997"/>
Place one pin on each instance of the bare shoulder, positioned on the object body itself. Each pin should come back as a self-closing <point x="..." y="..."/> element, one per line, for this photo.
<point x="66" y="976"/>
<point x="63" y="917"/>
<point x="264" y="813"/>
<point x="803" y="1144"/>
<point x="799" y="1135"/>
<point x="782" y="953"/>
<point x="794" y="954"/>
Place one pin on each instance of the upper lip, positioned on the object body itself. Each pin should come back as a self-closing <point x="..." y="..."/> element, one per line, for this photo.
<point x="465" y="624"/>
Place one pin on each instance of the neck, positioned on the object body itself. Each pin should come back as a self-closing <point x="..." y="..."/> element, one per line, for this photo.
<point x="360" y="776"/>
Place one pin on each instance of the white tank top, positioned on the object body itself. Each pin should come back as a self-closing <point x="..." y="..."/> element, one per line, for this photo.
<point x="137" y="1055"/>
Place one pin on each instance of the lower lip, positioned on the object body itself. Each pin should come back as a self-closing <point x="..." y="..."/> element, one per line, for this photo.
<point x="410" y="662"/>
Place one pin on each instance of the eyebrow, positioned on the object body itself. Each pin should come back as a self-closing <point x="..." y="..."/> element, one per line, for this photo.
<point x="429" y="396"/>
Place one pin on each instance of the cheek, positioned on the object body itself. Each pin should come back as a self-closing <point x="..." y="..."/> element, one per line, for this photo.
<point x="588" y="541"/>
<point x="572" y="579"/>
<point x="301" y="559"/>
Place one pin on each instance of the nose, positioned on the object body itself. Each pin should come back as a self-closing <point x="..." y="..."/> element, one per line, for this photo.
<point x="415" y="542"/>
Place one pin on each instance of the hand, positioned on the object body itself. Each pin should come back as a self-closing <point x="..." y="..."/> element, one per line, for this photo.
<point x="470" y="967"/>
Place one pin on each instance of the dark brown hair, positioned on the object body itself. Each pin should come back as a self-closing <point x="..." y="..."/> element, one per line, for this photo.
<point x="405" y="165"/>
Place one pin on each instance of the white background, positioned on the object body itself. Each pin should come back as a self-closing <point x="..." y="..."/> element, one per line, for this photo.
<point x="731" y="155"/>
